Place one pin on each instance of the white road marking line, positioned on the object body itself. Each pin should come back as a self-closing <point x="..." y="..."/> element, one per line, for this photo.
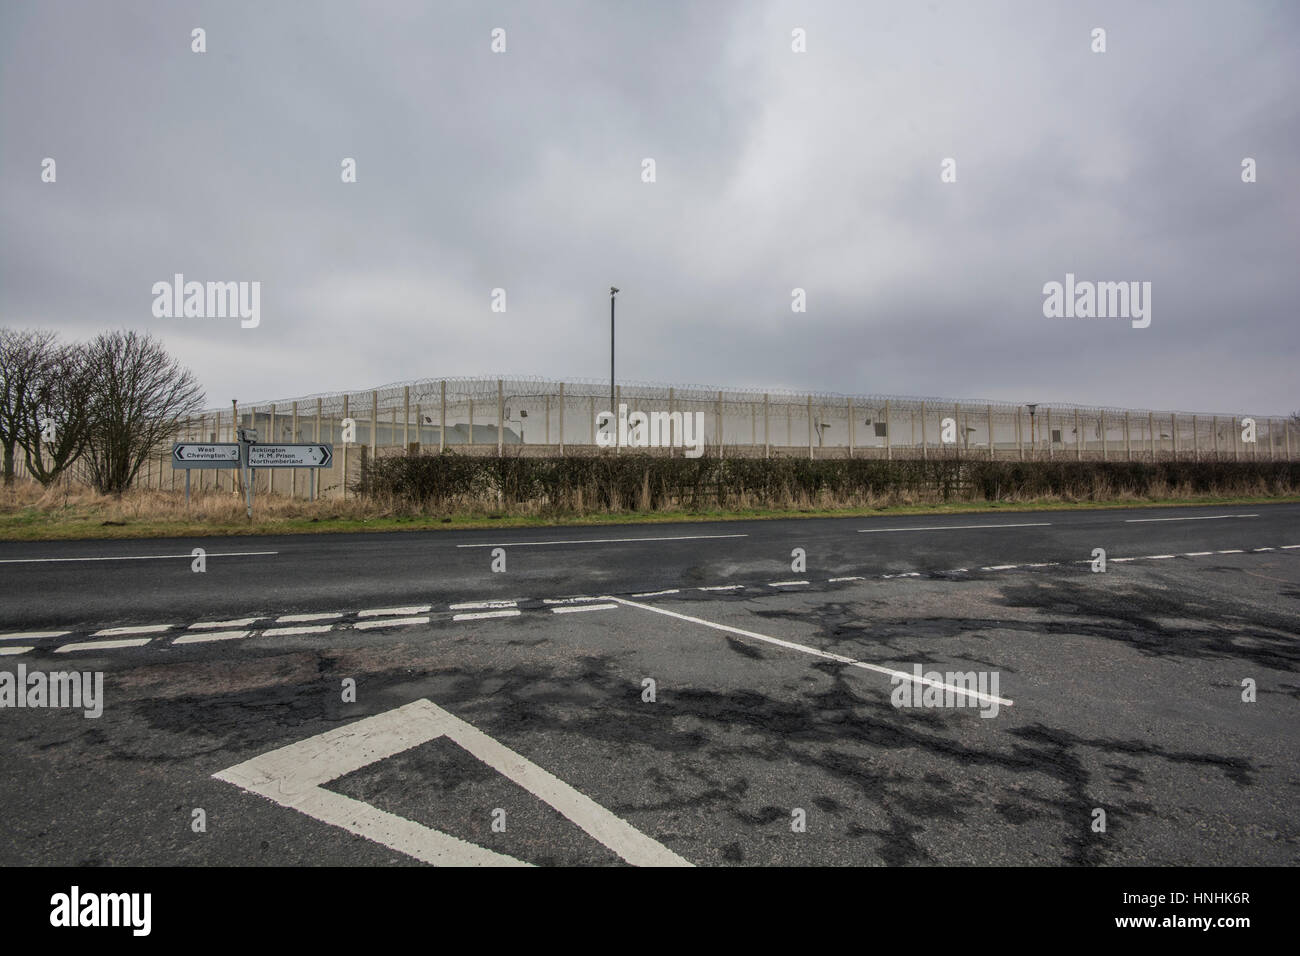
<point x="390" y="622"/>
<point x="904" y="574"/>
<point x="31" y="635"/>
<point x="834" y="580"/>
<point x="396" y="611"/>
<point x="302" y="618"/>
<point x="1261" y="549"/>
<point x="486" y="614"/>
<point x="1157" y="557"/>
<point x="207" y="636"/>
<point x="570" y="600"/>
<point x="1287" y="547"/>
<point x="1196" y="554"/>
<point x="1231" y="551"/>
<point x="480" y="605"/>
<point x="15" y="650"/>
<point x="958" y="527"/>
<point x="723" y="587"/>
<point x="956" y="571"/>
<point x="205" y="625"/>
<point x="1000" y="567"/>
<point x="142" y="629"/>
<point x="658" y="593"/>
<point x="295" y="631"/>
<point x="803" y="648"/>
<point x="584" y="607"/>
<point x="1116" y="560"/>
<point x="101" y="645"/>
<point x="1045" y="564"/>
<point x="525" y="544"/>
<point x="1193" y="518"/>
<point x="785" y="584"/>
<point x="136" y="557"/>
<point x="294" y="776"/>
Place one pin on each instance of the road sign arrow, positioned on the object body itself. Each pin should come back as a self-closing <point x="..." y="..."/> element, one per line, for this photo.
<point x="179" y="452"/>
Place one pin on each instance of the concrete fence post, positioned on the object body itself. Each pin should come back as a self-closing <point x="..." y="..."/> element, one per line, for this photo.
<point x="501" y="418"/>
<point x="672" y="432"/>
<point x="766" y="433"/>
<point x="1020" y="432"/>
<point x="561" y="422"/>
<point x="1105" y="445"/>
<point x="925" y="445"/>
<point x="719" y="416"/>
<point x="852" y="436"/>
<point x="1151" y="433"/>
<point x="810" y="428"/>
<point x="374" y="424"/>
<point x="593" y="421"/>
<point x="1078" y="437"/>
<point x="343" y="484"/>
<point x="442" y="419"/>
<point x="889" y="433"/>
<point x="406" y="419"/>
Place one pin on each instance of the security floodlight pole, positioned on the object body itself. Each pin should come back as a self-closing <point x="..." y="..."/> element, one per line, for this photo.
<point x="612" y="410"/>
<point x="1033" y="436"/>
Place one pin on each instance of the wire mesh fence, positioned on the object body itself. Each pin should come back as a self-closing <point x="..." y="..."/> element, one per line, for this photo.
<point x="534" y="416"/>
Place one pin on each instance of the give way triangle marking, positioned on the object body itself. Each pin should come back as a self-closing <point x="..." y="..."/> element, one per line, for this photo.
<point x="294" y="776"/>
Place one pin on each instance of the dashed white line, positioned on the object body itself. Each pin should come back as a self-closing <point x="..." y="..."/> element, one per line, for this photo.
<point x="142" y="629"/>
<point x="31" y="635"/>
<point x="1196" y="554"/>
<point x="574" y="609"/>
<point x="568" y="600"/>
<point x="836" y="580"/>
<point x="15" y="650"/>
<point x="525" y="544"/>
<point x="958" y="527"/>
<point x="786" y="584"/>
<point x="1193" y="518"/>
<point x="101" y="645"/>
<point x="209" y="636"/>
<point x="137" y="557"/>
<point x="803" y="648"/>
<point x="1158" y="557"/>
<point x="303" y="618"/>
<point x="396" y="611"/>
<point x="295" y="631"/>
<point x="208" y="625"/>
<point x="482" y="615"/>
<point x="722" y="587"/>
<point x="658" y="593"/>
<point x="1231" y="551"/>
<point x="1000" y="567"/>
<point x="482" y="605"/>
<point x="390" y="622"/>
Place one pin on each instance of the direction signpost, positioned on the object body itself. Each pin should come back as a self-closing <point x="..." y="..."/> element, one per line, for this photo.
<point x="191" y="455"/>
<point x="247" y="454"/>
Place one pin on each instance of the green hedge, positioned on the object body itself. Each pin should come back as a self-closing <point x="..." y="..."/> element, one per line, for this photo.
<point x="644" y="482"/>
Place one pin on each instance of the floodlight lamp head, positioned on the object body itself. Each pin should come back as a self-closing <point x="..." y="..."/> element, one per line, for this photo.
<point x="613" y="291"/>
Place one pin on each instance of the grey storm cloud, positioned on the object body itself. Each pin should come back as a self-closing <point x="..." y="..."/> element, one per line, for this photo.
<point x="775" y="170"/>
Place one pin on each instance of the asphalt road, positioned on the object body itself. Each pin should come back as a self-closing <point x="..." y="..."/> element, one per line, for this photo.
<point x="505" y="716"/>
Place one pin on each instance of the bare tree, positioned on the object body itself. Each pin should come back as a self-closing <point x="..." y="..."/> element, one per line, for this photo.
<point x="141" y="394"/>
<point x="56" y="430"/>
<point x="24" y="357"/>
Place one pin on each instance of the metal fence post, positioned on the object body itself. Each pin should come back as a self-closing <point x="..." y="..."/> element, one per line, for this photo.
<point x="851" y="424"/>
<point x="720" y="441"/>
<point x="1151" y="433"/>
<point x="406" y="419"/>
<point x="561" y="420"/>
<point x="343" y="484"/>
<point x="471" y="421"/>
<point x="442" y="419"/>
<point x="501" y="418"/>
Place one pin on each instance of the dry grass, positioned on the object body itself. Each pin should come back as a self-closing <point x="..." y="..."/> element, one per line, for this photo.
<point x="30" y="513"/>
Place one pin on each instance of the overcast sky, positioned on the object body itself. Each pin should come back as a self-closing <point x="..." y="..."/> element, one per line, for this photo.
<point x="775" y="170"/>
